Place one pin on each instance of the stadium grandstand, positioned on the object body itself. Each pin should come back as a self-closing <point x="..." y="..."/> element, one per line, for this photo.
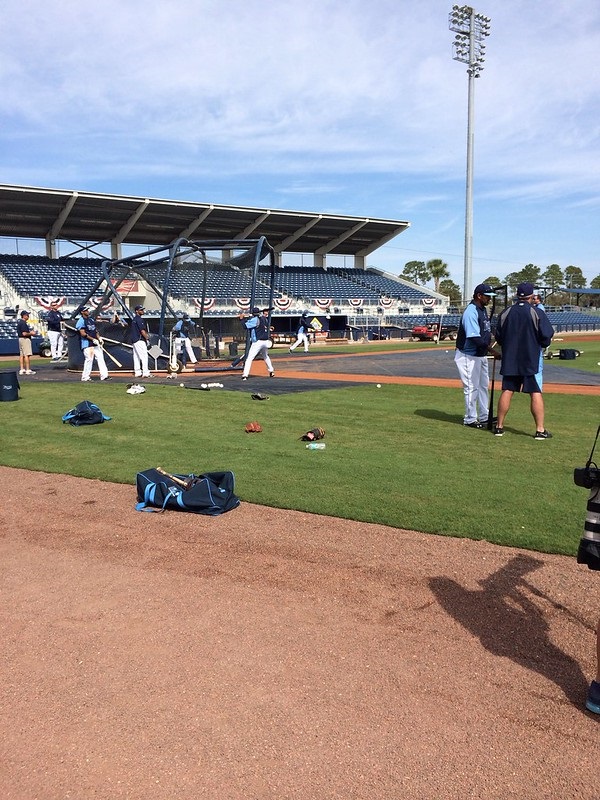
<point x="211" y="283"/>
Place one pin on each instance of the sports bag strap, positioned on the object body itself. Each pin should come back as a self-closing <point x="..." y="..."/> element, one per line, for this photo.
<point x="149" y="493"/>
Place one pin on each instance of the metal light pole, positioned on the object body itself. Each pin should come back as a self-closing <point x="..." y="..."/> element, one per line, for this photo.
<point x="468" y="46"/>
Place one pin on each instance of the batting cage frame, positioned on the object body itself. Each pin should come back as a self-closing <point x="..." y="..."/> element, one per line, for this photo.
<point x="181" y="254"/>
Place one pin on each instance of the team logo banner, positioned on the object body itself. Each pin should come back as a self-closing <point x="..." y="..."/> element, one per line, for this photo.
<point x="209" y="302"/>
<point x="355" y="302"/>
<point x="45" y="301"/>
<point x="428" y="301"/>
<point x="323" y="302"/>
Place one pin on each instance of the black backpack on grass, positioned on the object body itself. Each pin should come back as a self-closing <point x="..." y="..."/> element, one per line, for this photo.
<point x="85" y="413"/>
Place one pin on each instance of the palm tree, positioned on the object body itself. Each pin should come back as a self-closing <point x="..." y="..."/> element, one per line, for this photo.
<point x="437" y="269"/>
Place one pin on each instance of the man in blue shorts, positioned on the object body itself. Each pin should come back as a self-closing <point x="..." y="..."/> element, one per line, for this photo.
<point x="521" y="331"/>
<point x="537" y="303"/>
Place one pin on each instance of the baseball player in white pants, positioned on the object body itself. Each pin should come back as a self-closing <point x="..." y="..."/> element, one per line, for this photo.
<point x="260" y="335"/>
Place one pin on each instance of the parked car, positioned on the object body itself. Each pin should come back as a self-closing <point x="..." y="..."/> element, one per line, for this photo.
<point x="432" y="332"/>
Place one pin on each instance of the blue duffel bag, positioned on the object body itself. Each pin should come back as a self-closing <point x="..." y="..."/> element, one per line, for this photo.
<point x="211" y="493"/>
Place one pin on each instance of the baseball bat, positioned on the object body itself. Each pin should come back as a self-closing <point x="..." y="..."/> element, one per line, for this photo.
<point x="110" y="355"/>
<point x="174" y="478"/>
<point x="105" y="338"/>
<point x="116" y="341"/>
<point x="490" y="422"/>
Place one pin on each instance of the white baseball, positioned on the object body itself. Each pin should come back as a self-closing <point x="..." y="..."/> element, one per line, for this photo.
<point x="182" y="385"/>
<point x="379" y="386"/>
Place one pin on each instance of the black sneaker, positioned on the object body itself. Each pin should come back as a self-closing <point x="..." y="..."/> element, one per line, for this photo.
<point x="592" y="702"/>
<point x="498" y="431"/>
<point x="539" y="435"/>
<point x="108" y="378"/>
<point x="478" y="425"/>
<point x="271" y="374"/>
<point x="244" y="378"/>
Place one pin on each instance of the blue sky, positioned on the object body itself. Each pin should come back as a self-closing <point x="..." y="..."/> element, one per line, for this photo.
<point x="319" y="105"/>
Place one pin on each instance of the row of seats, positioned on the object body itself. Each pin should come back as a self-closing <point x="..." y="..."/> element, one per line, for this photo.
<point x="381" y="283"/>
<point x="39" y="276"/>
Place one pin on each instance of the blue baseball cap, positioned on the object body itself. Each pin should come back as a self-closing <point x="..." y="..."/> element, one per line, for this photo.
<point x="525" y="289"/>
<point x="484" y="288"/>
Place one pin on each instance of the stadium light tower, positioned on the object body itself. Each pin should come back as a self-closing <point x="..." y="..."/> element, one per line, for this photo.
<point x="471" y="29"/>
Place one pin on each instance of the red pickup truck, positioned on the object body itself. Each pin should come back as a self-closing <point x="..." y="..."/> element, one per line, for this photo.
<point x="432" y="332"/>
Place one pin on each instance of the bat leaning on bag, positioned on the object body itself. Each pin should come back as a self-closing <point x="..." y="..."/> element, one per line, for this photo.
<point x="185" y="483"/>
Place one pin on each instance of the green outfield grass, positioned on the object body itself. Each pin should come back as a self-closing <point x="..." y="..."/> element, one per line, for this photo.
<point x="398" y="455"/>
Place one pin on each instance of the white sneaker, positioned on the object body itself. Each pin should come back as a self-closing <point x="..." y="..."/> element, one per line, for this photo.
<point x="148" y="375"/>
<point x="29" y="372"/>
<point x="21" y="372"/>
<point x="85" y="380"/>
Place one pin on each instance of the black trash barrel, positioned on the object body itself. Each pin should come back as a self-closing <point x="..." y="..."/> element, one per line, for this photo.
<point x="9" y="385"/>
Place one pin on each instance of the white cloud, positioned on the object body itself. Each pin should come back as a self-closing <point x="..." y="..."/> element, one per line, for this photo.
<point x="342" y="103"/>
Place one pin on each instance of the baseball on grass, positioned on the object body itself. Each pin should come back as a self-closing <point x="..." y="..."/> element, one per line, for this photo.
<point x="379" y="386"/>
<point x="182" y="385"/>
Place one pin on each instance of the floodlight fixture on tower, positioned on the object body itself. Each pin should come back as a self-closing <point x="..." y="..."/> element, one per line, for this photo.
<point x="468" y="47"/>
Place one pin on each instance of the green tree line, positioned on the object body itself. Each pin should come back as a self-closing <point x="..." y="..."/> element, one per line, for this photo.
<point x="551" y="279"/>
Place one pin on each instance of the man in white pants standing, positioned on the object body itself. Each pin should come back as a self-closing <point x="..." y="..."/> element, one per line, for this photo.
<point x="91" y="346"/>
<point x="472" y="346"/>
<point x="140" y="339"/>
<point x="54" y="322"/>
<point x="260" y="338"/>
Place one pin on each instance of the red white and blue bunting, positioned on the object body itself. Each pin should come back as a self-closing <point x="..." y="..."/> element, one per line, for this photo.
<point x="428" y="301"/>
<point x="283" y="303"/>
<point x="355" y="302"/>
<point x="386" y="302"/>
<point x="323" y="302"/>
<point x="209" y="302"/>
<point x="243" y="303"/>
<point x="45" y="301"/>
<point x="96" y="302"/>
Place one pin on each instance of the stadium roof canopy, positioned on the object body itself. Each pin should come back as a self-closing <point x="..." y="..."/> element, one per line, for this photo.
<point x="56" y="214"/>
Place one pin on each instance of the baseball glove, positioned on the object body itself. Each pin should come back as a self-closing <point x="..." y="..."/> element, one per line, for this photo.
<point x="259" y="396"/>
<point x="313" y="435"/>
<point x="253" y="427"/>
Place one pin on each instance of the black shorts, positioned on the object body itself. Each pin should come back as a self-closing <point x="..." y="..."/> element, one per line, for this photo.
<point x="521" y="383"/>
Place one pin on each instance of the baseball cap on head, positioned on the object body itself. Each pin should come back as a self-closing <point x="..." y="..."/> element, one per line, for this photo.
<point x="525" y="289"/>
<point x="484" y="288"/>
<point x="256" y="310"/>
<point x="85" y="310"/>
<point x="24" y="313"/>
<point x="139" y="308"/>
